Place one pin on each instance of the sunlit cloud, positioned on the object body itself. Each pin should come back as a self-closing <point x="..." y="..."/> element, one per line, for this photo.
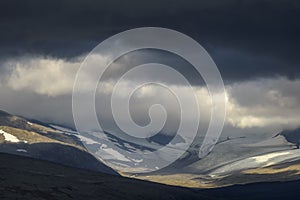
<point x="269" y="102"/>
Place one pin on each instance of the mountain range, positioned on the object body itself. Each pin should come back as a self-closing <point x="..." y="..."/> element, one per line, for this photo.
<point x="39" y="158"/>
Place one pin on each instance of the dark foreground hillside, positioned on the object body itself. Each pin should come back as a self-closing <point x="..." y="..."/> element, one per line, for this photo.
<point x="259" y="191"/>
<point x="27" y="178"/>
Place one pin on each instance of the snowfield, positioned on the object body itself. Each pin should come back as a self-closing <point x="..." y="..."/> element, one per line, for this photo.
<point x="259" y="161"/>
<point x="9" y="137"/>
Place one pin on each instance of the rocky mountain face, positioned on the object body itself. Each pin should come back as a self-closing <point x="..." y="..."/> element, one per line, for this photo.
<point x="292" y="136"/>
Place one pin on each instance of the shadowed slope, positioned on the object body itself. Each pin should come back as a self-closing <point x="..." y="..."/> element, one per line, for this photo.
<point x="27" y="178"/>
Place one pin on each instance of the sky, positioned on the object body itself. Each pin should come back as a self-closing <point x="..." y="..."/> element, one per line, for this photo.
<point x="254" y="43"/>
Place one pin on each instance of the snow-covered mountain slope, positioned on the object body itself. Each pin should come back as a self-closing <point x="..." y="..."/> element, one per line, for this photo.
<point x="231" y="157"/>
<point x="234" y="161"/>
<point x="230" y="160"/>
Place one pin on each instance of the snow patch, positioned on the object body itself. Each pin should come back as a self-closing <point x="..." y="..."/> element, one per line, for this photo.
<point x="29" y="123"/>
<point x="22" y="150"/>
<point x="113" y="153"/>
<point x="87" y="140"/>
<point x="68" y="131"/>
<point x="9" y="137"/>
<point x="267" y="157"/>
<point x="138" y="160"/>
<point x="63" y="129"/>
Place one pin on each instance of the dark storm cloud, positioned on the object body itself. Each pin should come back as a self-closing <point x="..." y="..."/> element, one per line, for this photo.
<point x="246" y="38"/>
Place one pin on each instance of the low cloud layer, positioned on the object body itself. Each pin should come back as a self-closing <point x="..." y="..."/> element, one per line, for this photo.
<point x="41" y="88"/>
<point x="44" y="76"/>
<point x="264" y="102"/>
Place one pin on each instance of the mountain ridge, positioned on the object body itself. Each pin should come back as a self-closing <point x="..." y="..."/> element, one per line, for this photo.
<point x="46" y="143"/>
